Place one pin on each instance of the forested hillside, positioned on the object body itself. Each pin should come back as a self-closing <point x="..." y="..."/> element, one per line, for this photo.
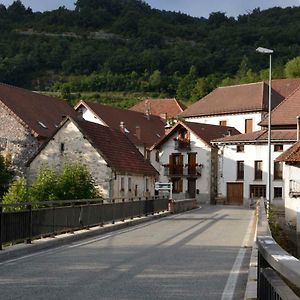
<point x="125" y="46"/>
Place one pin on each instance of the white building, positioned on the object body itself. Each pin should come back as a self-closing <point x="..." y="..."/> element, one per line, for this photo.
<point x="243" y="166"/>
<point x="186" y="158"/>
<point x="118" y="168"/>
<point x="240" y="106"/>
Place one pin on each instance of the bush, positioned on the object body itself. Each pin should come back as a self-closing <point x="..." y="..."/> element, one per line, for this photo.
<point x="6" y="175"/>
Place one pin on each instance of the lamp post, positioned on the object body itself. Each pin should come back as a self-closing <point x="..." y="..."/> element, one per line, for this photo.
<point x="269" y="195"/>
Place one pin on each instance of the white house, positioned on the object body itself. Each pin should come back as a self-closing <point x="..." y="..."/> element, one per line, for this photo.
<point x="240" y="106"/>
<point x="118" y="168"/>
<point x="186" y="158"/>
<point x="243" y="166"/>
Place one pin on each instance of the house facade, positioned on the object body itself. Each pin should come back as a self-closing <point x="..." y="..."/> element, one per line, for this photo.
<point x="243" y="166"/>
<point x="27" y="119"/>
<point x="118" y="168"/>
<point x="240" y="106"/>
<point x="186" y="158"/>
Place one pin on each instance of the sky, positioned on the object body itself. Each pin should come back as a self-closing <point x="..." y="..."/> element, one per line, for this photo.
<point x="197" y="8"/>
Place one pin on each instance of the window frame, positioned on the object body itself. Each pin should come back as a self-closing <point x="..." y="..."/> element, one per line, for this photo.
<point x="258" y="173"/>
<point x="240" y="170"/>
<point x="278" y="170"/>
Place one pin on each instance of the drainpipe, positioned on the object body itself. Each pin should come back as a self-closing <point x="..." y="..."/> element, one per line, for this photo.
<point x="298" y="128"/>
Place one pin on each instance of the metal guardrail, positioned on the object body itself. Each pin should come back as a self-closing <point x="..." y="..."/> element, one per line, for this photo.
<point x="276" y="267"/>
<point x="66" y="216"/>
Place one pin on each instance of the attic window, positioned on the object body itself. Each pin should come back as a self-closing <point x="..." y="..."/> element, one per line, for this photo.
<point x="126" y="130"/>
<point x="42" y="124"/>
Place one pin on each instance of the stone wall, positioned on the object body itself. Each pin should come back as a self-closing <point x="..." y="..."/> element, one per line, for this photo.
<point x="17" y="144"/>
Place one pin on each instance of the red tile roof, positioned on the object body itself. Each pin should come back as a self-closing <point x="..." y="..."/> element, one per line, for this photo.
<point x="291" y="155"/>
<point x="152" y="128"/>
<point x="116" y="149"/>
<point x="260" y="136"/>
<point x="40" y="113"/>
<point x="285" y="114"/>
<point x="159" y="107"/>
<point x="205" y="132"/>
<point x="252" y="97"/>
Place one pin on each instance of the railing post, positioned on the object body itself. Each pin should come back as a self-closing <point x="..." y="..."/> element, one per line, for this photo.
<point x="123" y="210"/>
<point x="113" y="211"/>
<point x="29" y="239"/>
<point x="1" y="226"/>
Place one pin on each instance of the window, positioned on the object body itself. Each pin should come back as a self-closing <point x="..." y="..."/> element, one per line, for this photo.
<point x="62" y="148"/>
<point x="177" y="185"/>
<point x="147" y="154"/>
<point x="277" y="192"/>
<point x="277" y="170"/>
<point x="258" y="170"/>
<point x="122" y="184"/>
<point x="257" y="191"/>
<point x="147" y="184"/>
<point x="129" y="184"/>
<point x="278" y="148"/>
<point x="240" y="170"/>
<point x="223" y="123"/>
<point x="157" y="156"/>
<point x="240" y="148"/>
<point x="248" y="125"/>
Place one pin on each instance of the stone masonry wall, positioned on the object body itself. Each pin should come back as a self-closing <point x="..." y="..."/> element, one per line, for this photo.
<point x="17" y="144"/>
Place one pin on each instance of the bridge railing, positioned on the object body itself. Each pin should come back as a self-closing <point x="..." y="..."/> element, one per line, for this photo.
<point x="26" y="221"/>
<point x="276" y="267"/>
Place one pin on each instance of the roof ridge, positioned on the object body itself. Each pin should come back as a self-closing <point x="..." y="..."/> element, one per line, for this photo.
<point x="282" y="102"/>
<point x="240" y="84"/>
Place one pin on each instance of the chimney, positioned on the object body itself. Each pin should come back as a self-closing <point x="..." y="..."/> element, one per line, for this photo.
<point x="122" y="127"/>
<point x="229" y="132"/>
<point x="164" y="116"/>
<point x="138" y="132"/>
<point x="147" y="109"/>
<point x="298" y="128"/>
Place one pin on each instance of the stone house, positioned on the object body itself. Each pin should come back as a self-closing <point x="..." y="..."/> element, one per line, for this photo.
<point x="186" y="157"/>
<point x="143" y="130"/>
<point x="118" y="168"/>
<point x="165" y="108"/>
<point x="240" y="106"/>
<point x="27" y="119"/>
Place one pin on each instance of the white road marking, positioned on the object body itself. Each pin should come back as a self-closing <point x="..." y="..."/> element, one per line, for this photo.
<point x="230" y="286"/>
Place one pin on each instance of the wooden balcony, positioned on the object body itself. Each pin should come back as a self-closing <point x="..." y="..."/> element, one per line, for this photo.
<point x="182" y="144"/>
<point x="181" y="170"/>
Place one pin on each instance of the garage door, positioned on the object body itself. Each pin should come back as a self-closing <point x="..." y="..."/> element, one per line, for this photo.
<point x="235" y="193"/>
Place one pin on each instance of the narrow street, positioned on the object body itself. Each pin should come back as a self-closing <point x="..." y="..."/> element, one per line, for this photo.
<point x="200" y="254"/>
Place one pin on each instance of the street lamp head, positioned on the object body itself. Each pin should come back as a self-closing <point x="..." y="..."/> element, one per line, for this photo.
<point x="264" y="50"/>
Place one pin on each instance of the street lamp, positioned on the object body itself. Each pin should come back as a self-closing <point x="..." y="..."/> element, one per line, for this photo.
<point x="269" y="51"/>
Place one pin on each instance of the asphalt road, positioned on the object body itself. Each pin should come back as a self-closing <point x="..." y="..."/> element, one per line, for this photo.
<point x="195" y="255"/>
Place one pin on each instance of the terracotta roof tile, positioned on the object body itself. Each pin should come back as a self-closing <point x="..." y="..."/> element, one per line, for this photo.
<point x="285" y="114"/>
<point x="241" y="98"/>
<point x="117" y="149"/>
<point x="159" y="107"/>
<point x="291" y="155"/>
<point x="40" y="113"/>
<point x="260" y="136"/>
<point x="205" y="132"/>
<point x="152" y="127"/>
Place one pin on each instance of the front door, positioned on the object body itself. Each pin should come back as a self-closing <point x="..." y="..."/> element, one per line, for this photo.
<point x="235" y="193"/>
<point x="192" y="188"/>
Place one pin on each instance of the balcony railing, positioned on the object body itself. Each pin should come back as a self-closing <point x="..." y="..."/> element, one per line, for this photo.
<point x="181" y="170"/>
<point x="182" y="144"/>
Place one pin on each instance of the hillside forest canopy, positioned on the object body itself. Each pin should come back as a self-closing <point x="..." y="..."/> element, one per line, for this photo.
<point x="107" y="50"/>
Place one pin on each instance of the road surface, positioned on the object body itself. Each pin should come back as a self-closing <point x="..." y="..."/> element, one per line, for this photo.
<point x="200" y="254"/>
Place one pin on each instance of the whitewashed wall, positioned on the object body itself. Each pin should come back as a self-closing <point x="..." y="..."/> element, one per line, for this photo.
<point x="292" y="204"/>
<point x="90" y="116"/>
<point x="233" y="120"/>
<point x="228" y="158"/>
<point x="203" y="182"/>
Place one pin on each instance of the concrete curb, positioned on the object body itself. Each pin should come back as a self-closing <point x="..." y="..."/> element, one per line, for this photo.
<point x="19" y="250"/>
<point x="251" y="287"/>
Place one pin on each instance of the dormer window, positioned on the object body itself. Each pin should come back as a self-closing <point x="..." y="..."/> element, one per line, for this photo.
<point x="42" y="124"/>
<point x="183" y="140"/>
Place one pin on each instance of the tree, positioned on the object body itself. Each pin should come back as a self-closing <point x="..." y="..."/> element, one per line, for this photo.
<point x="6" y="175"/>
<point x="155" y="80"/>
<point x="17" y="193"/>
<point x="75" y="182"/>
<point x="292" y="68"/>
